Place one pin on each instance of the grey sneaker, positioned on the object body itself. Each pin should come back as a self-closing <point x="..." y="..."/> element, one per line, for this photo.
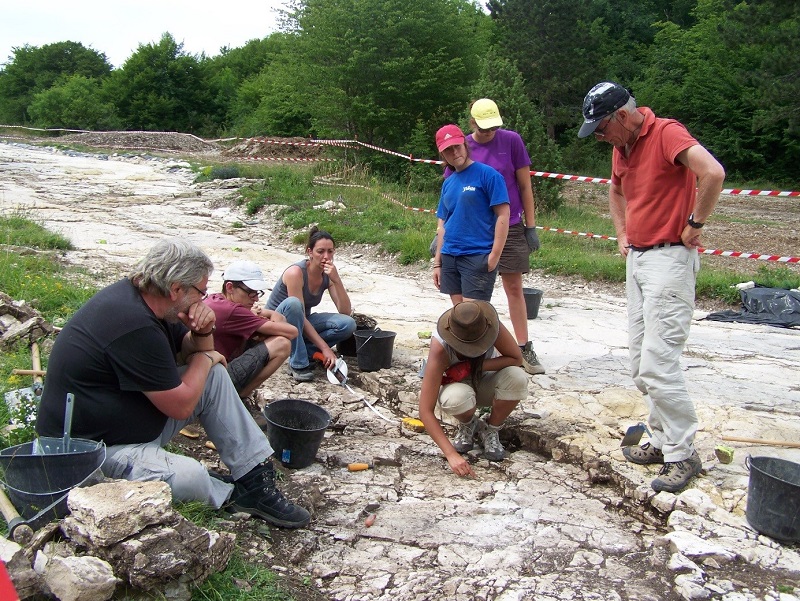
<point x="530" y="362"/>
<point x="304" y="374"/>
<point x="489" y="437"/>
<point x="465" y="437"/>
<point x="643" y="455"/>
<point x="676" y="474"/>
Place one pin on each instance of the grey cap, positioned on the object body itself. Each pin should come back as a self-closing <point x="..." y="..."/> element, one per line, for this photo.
<point x="601" y="101"/>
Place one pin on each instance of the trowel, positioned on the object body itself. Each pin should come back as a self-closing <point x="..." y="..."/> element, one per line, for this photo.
<point x="337" y="374"/>
<point x="634" y="434"/>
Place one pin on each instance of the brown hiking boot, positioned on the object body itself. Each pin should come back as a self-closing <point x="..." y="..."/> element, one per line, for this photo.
<point x="643" y="455"/>
<point x="676" y="474"/>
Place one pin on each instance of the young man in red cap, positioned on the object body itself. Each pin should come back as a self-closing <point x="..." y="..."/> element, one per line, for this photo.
<point x="664" y="185"/>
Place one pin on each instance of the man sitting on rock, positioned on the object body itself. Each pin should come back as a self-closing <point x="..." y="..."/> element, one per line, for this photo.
<point x="255" y="344"/>
<point x="117" y="355"/>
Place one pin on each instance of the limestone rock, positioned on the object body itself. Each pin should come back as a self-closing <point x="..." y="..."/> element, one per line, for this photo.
<point x="80" y="578"/>
<point x="107" y="513"/>
<point x="159" y="554"/>
<point x="693" y="546"/>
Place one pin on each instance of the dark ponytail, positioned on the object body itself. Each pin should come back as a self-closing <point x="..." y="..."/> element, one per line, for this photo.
<point x="315" y="235"/>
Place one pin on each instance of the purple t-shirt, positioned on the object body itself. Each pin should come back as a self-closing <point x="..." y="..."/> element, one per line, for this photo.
<point x="506" y="152"/>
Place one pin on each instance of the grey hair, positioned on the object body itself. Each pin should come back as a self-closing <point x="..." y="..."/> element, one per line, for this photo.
<point x="630" y="106"/>
<point x="170" y="261"/>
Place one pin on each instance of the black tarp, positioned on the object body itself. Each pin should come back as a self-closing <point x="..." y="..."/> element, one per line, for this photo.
<point x="771" y="306"/>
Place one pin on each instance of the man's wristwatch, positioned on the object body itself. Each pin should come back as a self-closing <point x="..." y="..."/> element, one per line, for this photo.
<point x="696" y="225"/>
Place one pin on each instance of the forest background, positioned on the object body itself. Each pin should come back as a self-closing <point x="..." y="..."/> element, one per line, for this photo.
<point x="390" y="72"/>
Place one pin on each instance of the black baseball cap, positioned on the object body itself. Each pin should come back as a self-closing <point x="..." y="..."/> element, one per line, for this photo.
<point x="602" y="100"/>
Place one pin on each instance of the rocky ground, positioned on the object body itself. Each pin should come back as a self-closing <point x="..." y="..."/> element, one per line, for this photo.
<point x="563" y="516"/>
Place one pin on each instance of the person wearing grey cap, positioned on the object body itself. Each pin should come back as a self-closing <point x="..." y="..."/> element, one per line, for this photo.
<point x="255" y="342"/>
<point x="664" y="185"/>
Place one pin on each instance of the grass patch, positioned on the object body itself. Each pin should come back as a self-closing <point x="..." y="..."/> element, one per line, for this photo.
<point x="369" y="217"/>
<point x="241" y="581"/>
<point x="30" y="270"/>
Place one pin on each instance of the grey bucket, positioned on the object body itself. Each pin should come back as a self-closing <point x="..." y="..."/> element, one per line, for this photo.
<point x="295" y="429"/>
<point x="773" y="497"/>
<point x="38" y="475"/>
<point x="533" y="296"/>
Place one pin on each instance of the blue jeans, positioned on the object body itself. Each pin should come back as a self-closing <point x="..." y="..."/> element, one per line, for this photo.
<point x="332" y="328"/>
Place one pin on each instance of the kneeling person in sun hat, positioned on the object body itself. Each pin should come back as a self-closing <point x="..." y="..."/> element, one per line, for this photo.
<point x="139" y="357"/>
<point x="473" y="361"/>
<point x="254" y="342"/>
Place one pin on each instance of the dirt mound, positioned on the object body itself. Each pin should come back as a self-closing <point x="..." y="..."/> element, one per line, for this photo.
<point x="275" y="149"/>
<point x="136" y="140"/>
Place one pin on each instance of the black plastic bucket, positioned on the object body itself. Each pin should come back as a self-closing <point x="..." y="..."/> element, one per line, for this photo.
<point x="533" y="296"/>
<point x="36" y="482"/>
<point x="374" y="349"/>
<point x="773" y="497"/>
<point x="295" y="429"/>
<point x="347" y="347"/>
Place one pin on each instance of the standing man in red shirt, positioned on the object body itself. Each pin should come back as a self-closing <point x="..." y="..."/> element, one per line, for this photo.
<point x="255" y="344"/>
<point x="664" y="185"/>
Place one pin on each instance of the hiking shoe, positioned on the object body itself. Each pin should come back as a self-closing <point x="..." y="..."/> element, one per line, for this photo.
<point x="530" y="362"/>
<point x="643" y="455"/>
<point x="489" y="437"/>
<point x="465" y="437"/>
<point x="256" y="494"/>
<point x="304" y="374"/>
<point x="676" y="474"/>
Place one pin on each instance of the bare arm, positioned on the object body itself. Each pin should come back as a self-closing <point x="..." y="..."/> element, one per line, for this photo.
<point x="510" y="354"/>
<point x="710" y="176"/>
<point x="437" y="259"/>
<point x="275" y="324"/>
<point x="523" y="177"/>
<point x="617" y="204"/>
<point x="337" y="290"/>
<point x="503" y="212"/>
<point x="179" y="402"/>
<point x="429" y="393"/>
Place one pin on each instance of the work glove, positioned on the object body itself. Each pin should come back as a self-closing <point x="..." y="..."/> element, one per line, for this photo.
<point x="434" y="243"/>
<point x="532" y="238"/>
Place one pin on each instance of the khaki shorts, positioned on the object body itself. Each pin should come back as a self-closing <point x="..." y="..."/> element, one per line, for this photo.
<point x="508" y="384"/>
<point x="514" y="258"/>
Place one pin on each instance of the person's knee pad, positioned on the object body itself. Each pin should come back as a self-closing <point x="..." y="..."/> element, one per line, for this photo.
<point x="457" y="398"/>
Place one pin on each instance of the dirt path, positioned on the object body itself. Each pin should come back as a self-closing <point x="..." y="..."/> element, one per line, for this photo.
<point x="562" y="517"/>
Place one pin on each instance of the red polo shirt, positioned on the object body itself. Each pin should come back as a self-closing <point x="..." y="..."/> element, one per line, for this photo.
<point x="660" y="192"/>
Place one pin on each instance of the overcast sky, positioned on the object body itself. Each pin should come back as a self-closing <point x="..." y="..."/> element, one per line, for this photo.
<point x="118" y="27"/>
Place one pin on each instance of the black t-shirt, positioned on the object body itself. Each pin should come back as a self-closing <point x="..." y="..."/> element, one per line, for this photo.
<point x="112" y="350"/>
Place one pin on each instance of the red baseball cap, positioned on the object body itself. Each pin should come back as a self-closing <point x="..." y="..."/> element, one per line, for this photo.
<point x="448" y="136"/>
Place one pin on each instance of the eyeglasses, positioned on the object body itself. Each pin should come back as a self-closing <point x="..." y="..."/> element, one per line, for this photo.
<point x="203" y="295"/>
<point x="248" y="292"/>
<point x="600" y="130"/>
<point x="488" y="129"/>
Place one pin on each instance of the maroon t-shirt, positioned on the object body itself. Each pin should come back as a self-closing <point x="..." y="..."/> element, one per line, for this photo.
<point x="235" y="325"/>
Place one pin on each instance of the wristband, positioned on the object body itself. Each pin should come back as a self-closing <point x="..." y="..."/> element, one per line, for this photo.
<point x="211" y="331"/>
<point x="435" y="266"/>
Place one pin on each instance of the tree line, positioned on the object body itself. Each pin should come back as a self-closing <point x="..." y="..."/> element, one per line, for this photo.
<point x="390" y="72"/>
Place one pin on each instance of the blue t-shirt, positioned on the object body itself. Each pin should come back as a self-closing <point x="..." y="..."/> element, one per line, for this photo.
<point x="465" y="206"/>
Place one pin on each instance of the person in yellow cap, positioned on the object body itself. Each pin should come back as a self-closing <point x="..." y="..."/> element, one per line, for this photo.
<point x="504" y="150"/>
<point x="473" y="361"/>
